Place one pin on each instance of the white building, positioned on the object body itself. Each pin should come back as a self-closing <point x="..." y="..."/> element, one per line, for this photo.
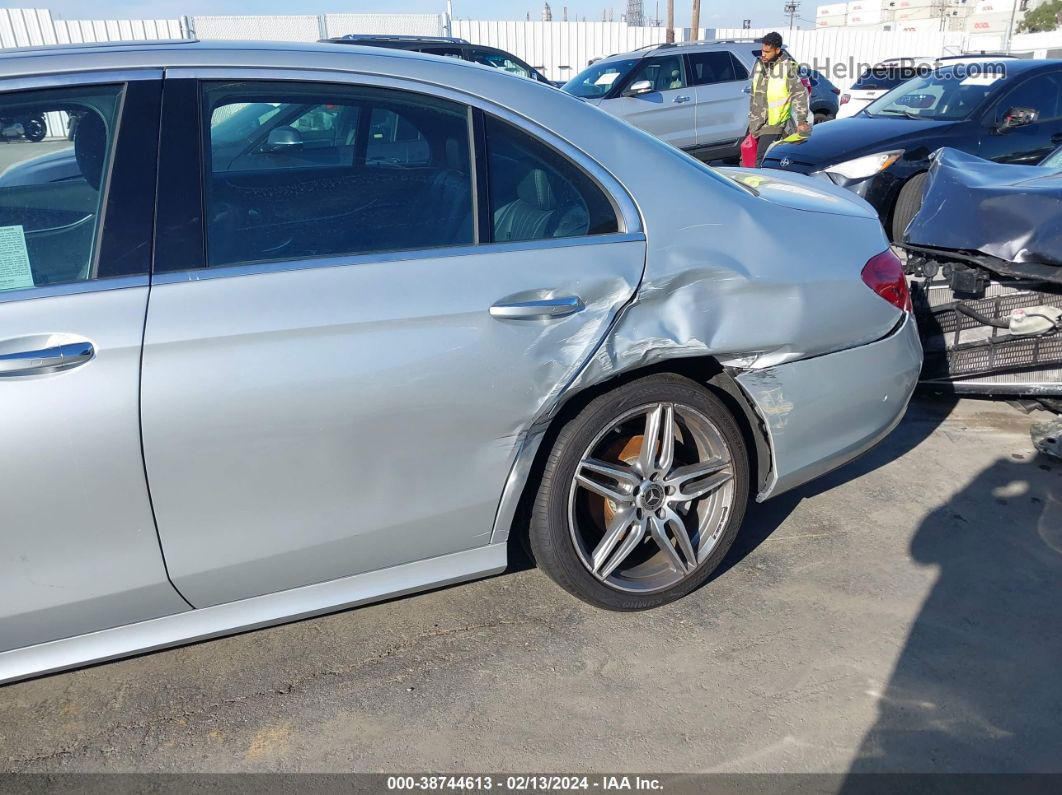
<point x="998" y="17"/>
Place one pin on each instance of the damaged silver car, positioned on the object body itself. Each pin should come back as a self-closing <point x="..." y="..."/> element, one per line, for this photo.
<point x="316" y="325"/>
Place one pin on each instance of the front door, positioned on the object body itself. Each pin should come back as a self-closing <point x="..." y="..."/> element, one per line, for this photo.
<point x="343" y="386"/>
<point x="667" y="109"/>
<point x="1029" y="144"/>
<point x="78" y="547"/>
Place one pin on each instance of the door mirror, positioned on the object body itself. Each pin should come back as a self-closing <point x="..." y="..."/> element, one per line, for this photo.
<point x="1018" y="117"/>
<point x="640" y="87"/>
<point x="283" y="139"/>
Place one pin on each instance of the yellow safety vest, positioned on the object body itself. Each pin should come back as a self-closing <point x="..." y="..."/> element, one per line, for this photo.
<point x="778" y="106"/>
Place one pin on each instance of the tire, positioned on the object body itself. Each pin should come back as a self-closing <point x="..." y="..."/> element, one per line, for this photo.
<point x="571" y="521"/>
<point x="908" y="203"/>
<point x="821" y="116"/>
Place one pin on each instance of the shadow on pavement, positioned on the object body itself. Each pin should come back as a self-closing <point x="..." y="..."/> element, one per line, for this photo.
<point x="977" y="687"/>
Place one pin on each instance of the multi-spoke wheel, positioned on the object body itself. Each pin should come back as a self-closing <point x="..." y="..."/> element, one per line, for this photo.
<point x="642" y="494"/>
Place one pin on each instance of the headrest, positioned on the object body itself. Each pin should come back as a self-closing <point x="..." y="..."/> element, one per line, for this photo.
<point x="90" y="147"/>
<point x="536" y="191"/>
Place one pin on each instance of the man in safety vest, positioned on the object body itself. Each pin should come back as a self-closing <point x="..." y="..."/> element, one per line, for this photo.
<point x="778" y="106"/>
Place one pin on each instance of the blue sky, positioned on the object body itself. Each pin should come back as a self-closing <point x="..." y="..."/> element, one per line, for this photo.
<point x="762" y="12"/>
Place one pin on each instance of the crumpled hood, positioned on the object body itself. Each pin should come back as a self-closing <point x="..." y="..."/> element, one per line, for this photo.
<point x="818" y="195"/>
<point x="1007" y="211"/>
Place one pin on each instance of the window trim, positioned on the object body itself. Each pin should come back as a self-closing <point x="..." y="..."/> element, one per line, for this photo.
<point x="627" y="215"/>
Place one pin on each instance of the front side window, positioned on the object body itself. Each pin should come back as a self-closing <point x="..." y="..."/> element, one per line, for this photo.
<point x="597" y="80"/>
<point x="666" y="74"/>
<point x="1041" y="94"/>
<point x="715" y="67"/>
<point x="538" y="194"/>
<point x="51" y="191"/>
<point x="332" y="170"/>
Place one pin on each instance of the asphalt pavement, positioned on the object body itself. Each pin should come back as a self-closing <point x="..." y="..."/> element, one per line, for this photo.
<point x="901" y="614"/>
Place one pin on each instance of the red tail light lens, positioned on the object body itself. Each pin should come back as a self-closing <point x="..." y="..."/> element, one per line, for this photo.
<point x="884" y="275"/>
<point x="844" y="99"/>
<point x="836" y="90"/>
<point x="807" y="83"/>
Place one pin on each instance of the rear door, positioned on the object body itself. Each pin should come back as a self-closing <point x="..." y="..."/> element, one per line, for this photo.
<point x="722" y="103"/>
<point x="667" y="110"/>
<point x="338" y="374"/>
<point x="78" y="548"/>
<point x="1031" y="143"/>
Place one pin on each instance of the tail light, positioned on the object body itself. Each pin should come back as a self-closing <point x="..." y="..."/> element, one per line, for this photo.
<point x="836" y="91"/>
<point x="807" y="83"/>
<point x="844" y="99"/>
<point x="884" y="275"/>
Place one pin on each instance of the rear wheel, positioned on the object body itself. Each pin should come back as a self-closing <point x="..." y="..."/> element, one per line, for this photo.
<point x="642" y="495"/>
<point x="908" y="204"/>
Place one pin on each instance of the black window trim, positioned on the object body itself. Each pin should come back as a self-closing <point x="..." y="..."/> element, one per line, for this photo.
<point x="181" y="216"/>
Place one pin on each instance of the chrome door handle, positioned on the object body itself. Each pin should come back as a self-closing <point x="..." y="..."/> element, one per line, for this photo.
<point x="746" y="90"/>
<point x="46" y="360"/>
<point x="537" y="308"/>
<point x="681" y="99"/>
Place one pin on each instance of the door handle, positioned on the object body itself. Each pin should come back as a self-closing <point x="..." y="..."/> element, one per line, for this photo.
<point x="746" y="90"/>
<point x="53" y="359"/>
<point x="537" y="308"/>
<point x="681" y="99"/>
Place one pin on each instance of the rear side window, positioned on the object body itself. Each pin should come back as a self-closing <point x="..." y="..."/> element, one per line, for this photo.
<point x="322" y="170"/>
<point x="715" y="67"/>
<point x="537" y="193"/>
<point x="53" y="179"/>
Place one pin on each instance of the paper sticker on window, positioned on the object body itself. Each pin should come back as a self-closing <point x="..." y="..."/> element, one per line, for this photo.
<point x="981" y="80"/>
<point x="15" y="273"/>
<point x="607" y="79"/>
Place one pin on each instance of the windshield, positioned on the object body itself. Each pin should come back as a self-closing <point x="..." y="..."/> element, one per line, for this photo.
<point x="595" y="81"/>
<point x="938" y="96"/>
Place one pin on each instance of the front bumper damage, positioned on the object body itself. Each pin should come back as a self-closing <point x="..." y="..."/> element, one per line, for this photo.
<point x="822" y="412"/>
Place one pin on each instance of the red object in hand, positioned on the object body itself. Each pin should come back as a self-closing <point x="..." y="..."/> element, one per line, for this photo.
<point x="748" y="152"/>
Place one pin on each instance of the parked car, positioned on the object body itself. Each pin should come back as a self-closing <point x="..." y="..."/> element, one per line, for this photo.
<point x="1007" y="112"/>
<point x="985" y="256"/>
<point x="320" y="325"/>
<point x="693" y="96"/>
<point x="824" y="101"/>
<point x="450" y="47"/>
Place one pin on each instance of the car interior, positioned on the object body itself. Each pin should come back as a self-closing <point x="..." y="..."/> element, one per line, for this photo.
<point x="57" y="219"/>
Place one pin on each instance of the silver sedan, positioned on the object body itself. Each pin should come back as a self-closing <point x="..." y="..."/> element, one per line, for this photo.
<point x="295" y="328"/>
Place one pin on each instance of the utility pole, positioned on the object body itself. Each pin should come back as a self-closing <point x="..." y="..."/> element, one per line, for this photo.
<point x="791" y="8"/>
<point x="695" y="23"/>
<point x="670" y="36"/>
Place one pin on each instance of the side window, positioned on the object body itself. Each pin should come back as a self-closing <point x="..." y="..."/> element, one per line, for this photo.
<point x="51" y="190"/>
<point x="713" y="67"/>
<point x="1041" y="93"/>
<point x="664" y="73"/>
<point x="394" y="139"/>
<point x="500" y="61"/>
<point x="334" y="170"/>
<point x="537" y="193"/>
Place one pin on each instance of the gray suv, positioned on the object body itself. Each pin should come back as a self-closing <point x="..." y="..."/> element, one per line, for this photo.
<point x="694" y="95"/>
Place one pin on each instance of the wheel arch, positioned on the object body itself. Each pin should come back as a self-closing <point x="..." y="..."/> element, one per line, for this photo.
<point x="514" y="510"/>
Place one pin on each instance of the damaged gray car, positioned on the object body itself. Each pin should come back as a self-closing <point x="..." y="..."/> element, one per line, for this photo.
<point x="317" y="325"/>
<point x="985" y="257"/>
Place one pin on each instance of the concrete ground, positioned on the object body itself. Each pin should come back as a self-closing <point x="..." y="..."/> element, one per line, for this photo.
<point x="901" y="614"/>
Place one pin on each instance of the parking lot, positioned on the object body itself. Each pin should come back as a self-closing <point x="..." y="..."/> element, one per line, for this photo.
<point x="900" y="614"/>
